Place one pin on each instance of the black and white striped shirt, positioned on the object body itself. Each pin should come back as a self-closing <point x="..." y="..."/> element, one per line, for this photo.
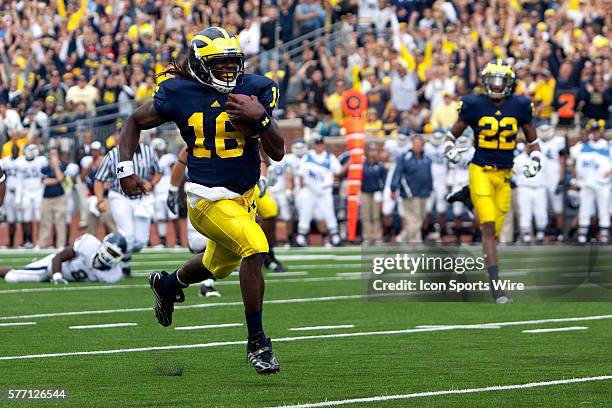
<point x="145" y="166"/>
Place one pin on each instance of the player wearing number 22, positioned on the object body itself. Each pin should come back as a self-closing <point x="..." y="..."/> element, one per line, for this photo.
<point x="225" y="117"/>
<point x="495" y="118"/>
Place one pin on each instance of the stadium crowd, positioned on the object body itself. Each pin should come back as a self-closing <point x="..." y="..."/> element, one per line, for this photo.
<point x="413" y="59"/>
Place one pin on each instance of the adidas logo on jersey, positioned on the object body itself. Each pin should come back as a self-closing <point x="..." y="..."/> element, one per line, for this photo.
<point x="498" y="113"/>
<point x="215" y="104"/>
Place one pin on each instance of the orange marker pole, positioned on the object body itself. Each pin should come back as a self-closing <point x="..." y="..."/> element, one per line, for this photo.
<point x="354" y="105"/>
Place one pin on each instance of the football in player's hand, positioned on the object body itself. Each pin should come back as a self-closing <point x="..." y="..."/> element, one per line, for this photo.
<point x="245" y="127"/>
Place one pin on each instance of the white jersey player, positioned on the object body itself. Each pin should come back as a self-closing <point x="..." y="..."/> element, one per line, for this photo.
<point x="10" y="165"/>
<point x="434" y="149"/>
<point x="458" y="173"/>
<point x="317" y="172"/>
<point x="277" y="186"/>
<point x="162" y="214"/>
<point x="593" y="167"/>
<point x="532" y="199"/>
<point x="30" y="177"/>
<point x="87" y="260"/>
<point x="553" y="149"/>
<point x="294" y="161"/>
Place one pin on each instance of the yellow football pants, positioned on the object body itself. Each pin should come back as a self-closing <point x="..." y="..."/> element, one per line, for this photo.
<point x="266" y="206"/>
<point x="491" y="194"/>
<point x="231" y="229"/>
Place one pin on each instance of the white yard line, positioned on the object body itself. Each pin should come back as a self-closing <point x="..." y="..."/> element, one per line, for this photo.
<point x="450" y="392"/>
<point x="461" y="326"/>
<point x="208" y="326"/>
<point x="102" y="326"/>
<point x="223" y="343"/>
<point x="17" y="324"/>
<point x="77" y="287"/>
<point x="558" y="329"/>
<point x="284" y="274"/>
<point x="196" y="306"/>
<point x="299" y="338"/>
<point x="308" y="328"/>
<point x="81" y="287"/>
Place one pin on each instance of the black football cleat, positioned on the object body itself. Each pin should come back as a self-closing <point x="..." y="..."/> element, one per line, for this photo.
<point x="164" y="306"/>
<point x="273" y="264"/>
<point x="259" y="353"/>
<point x="462" y="195"/>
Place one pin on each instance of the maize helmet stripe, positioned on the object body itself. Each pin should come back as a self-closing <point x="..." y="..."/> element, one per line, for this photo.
<point x="215" y="42"/>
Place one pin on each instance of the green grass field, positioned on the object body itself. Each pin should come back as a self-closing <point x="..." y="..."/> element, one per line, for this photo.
<point x="383" y="354"/>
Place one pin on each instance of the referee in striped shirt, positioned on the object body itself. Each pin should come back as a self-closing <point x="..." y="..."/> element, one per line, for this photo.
<point x="132" y="214"/>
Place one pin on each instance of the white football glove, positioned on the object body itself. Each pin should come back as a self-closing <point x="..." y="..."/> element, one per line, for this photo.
<point x="534" y="166"/>
<point x="263" y="185"/>
<point x="58" y="279"/>
<point x="453" y="154"/>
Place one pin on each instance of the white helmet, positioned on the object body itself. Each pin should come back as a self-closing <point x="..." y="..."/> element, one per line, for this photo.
<point x="158" y="144"/>
<point x="112" y="250"/>
<point x="299" y="148"/>
<point x="545" y="132"/>
<point x="30" y="151"/>
<point x="437" y="138"/>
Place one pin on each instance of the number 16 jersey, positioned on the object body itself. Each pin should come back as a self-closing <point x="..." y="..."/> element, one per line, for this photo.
<point x="218" y="155"/>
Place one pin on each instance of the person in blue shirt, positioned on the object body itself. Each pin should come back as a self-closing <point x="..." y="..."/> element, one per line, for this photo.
<point x="412" y="177"/>
<point x="372" y="184"/>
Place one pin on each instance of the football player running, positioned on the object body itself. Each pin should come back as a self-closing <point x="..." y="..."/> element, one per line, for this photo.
<point x="87" y="260"/>
<point x="495" y="118"/>
<point x="223" y="132"/>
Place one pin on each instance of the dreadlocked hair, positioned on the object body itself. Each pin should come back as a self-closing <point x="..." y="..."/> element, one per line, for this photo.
<point x="180" y="69"/>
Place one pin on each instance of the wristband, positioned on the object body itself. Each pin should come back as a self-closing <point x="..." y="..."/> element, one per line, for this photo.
<point x="3" y="177"/>
<point x="534" y="142"/>
<point x="173" y="189"/>
<point x="125" y="169"/>
<point x="263" y="123"/>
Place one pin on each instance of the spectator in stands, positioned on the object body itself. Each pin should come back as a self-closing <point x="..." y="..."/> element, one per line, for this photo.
<point x="374" y="126"/>
<point x="82" y="92"/>
<point x="309" y="15"/>
<point x="327" y="127"/>
<point x="403" y="87"/>
<point x="412" y="177"/>
<point x="445" y="115"/>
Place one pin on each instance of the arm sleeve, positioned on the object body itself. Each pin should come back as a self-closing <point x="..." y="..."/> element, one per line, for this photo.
<point x="464" y="109"/>
<point x="103" y="172"/>
<point x="268" y="96"/>
<point x="162" y="102"/>
<point x="526" y="110"/>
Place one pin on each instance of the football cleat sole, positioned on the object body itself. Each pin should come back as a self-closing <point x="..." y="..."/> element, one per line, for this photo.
<point x="163" y="311"/>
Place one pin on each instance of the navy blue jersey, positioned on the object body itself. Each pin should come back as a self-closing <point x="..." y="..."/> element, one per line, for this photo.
<point x="218" y="155"/>
<point x="495" y="127"/>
